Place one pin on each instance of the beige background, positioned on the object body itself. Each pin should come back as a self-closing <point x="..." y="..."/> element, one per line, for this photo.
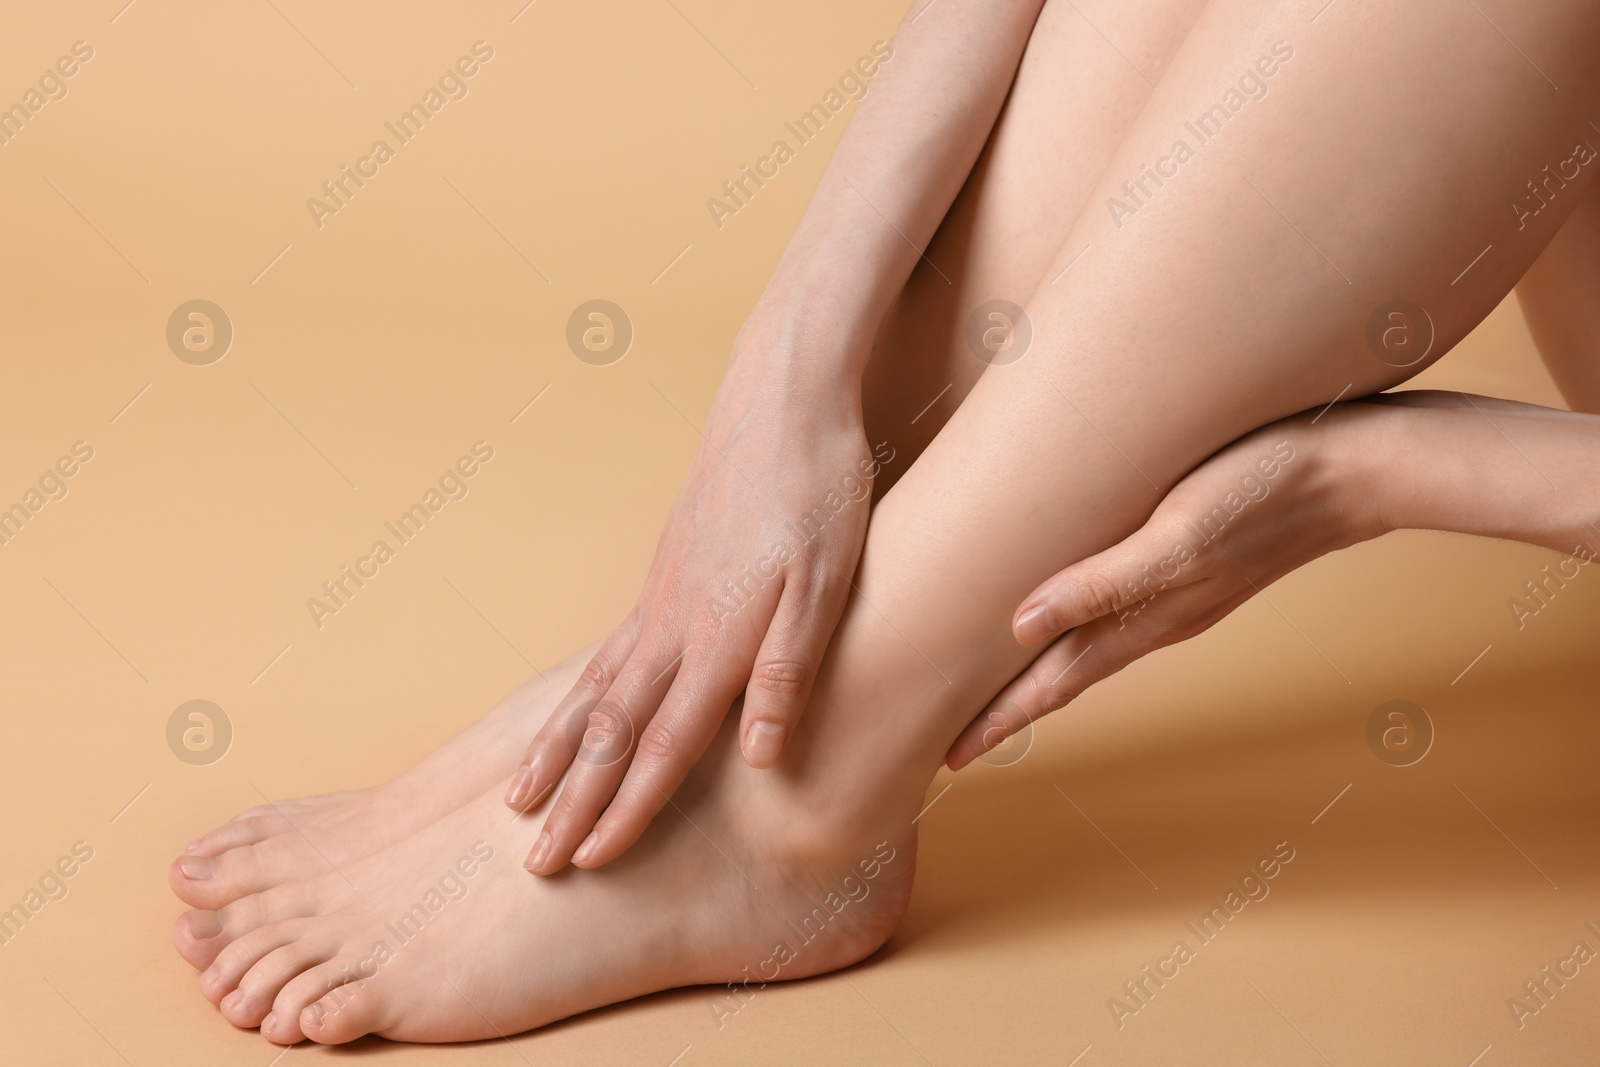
<point x="425" y="316"/>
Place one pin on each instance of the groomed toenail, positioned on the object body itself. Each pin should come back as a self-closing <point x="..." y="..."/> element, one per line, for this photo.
<point x="540" y="850"/>
<point x="203" y="924"/>
<point x="269" y="1022"/>
<point x="586" y="849"/>
<point x="521" y="787"/>
<point x="232" y="1000"/>
<point x="195" y="868"/>
<point x="192" y="846"/>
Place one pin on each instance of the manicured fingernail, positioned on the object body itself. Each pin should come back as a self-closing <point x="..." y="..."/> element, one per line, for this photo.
<point x="1036" y="624"/>
<point x="195" y="868"/>
<point x="521" y="788"/>
<point x="541" y="849"/>
<point x="586" y="849"/>
<point x="763" y="743"/>
<point x="269" y="1022"/>
<point x="204" y="924"/>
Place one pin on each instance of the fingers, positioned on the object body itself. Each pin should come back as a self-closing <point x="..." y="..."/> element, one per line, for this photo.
<point x="668" y="749"/>
<point x="1107" y="583"/>
<point x="556" y="744"/>
<point x="1065" y="669"/>
<point x="785" y="669"/>
<point x="601" y="736"/>
<point x="1092" y="653"/>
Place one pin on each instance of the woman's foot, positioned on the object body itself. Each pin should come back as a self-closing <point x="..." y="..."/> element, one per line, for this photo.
<point x="294" y="840"/>
<point x="445" y="937"/>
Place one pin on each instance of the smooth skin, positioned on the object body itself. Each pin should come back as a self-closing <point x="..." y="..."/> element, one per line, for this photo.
<point x="724" y="610"/>
<point x="1144" y="361"/>
<point x="1472" y="464"/>
<point x="1419" y="460"/>
<point x="1072" y="99"/>
<point x="1147" y="357"/>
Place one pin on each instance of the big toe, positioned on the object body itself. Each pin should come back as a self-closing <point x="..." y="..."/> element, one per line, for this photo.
<point x="213" y="882"/>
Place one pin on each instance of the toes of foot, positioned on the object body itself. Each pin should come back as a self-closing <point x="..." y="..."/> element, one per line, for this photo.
<point x="338" y="1017"/>
<point x="213" y="882"/>
<point x="197" y="936"/>
<point x="241" y="831"/>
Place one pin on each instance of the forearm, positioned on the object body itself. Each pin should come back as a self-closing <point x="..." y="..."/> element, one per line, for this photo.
<point x="1473" y="465"/>
<point x="908" y="149"/>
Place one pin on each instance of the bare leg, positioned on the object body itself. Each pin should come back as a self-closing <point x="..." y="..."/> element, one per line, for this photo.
<point x="1203" y="315"/>
<point x="1001" y="233"/>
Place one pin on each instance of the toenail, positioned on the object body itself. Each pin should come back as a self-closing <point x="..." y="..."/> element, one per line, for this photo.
<point x="540" y="850"/>
<point x="233" y="1000"/>
<point x="203" y="924"/>
<point x="586" y="849"/>
<point x="521" y="787"/>
<point x="195" y="868"/>
<point x="192" y="846"/>
<point x="763" y="743"/>
<point x="269" y="1022"/>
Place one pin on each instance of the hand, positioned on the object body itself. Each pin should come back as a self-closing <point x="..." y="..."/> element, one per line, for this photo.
<point x="748" y="582"/>
<point x="1265" y="505"/>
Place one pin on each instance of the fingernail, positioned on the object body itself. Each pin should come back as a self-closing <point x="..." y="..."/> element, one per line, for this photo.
<point x="204" y="924"/>
<point x="586" y="849"/>
<point x="195" y="868"/>
<point x="763" y="743"/>
<point x="270" y="1021"/>
<point x="541" y="849"/>
<point x="1036" y="624"/>
<point x="521" y="787"/>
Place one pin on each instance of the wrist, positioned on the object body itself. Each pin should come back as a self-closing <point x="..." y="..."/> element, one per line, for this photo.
<point x="810" y="344"/>
<point x="1358" y="445"/>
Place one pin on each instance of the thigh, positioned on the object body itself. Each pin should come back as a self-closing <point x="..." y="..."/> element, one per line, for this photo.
<point x="1239" y="288"/>
<point x="1088" y="69"/>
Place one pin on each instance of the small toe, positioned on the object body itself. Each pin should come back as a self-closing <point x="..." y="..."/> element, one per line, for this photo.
<point x="327" y="981"/>
<point x="348" y="1012"/>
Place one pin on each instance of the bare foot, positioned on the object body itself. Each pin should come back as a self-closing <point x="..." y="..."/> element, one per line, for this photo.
<point x="294" y="840"/>
<point x="445" y="937"/>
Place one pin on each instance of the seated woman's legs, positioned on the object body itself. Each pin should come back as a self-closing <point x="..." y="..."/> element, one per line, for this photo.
<point x="998" y="238"/>
<point x="1206" y="313"/>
